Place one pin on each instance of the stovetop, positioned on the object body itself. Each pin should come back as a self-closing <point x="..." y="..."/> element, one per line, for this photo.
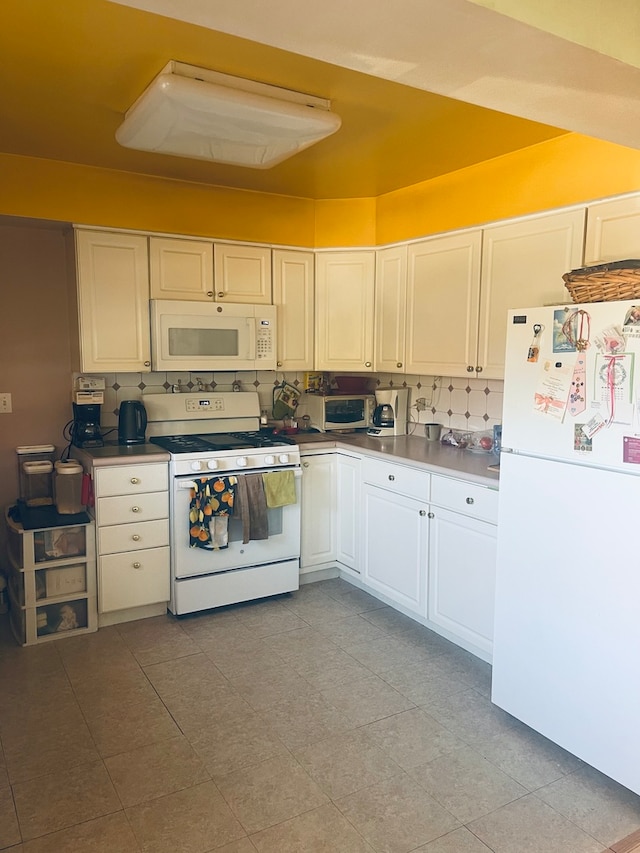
<point x="218" y="442"/>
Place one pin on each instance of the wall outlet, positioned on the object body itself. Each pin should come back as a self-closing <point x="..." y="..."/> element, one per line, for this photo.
<point x="5" y="404"/>
<point x="421" y="404"/>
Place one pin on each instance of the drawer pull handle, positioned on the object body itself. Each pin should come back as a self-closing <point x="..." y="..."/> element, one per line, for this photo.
<point x="423" y="512"/>
<point x="391" y="477"/>
<point x="135" y="509"/>
<point x="137" y="565"/>
<point x="135" y="481"/>
<point x="135" y="537"/>
<point x="470" y="500"/>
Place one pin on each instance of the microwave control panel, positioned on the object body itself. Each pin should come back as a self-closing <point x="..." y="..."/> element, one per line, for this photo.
<point x="264" y="339"/>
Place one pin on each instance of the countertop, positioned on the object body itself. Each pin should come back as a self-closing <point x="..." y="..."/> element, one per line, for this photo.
<point x="118" y="454"/>
<point x="414" y="450"/>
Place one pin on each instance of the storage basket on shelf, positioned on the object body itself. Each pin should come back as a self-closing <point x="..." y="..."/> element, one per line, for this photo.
<point x="604" y="283"/>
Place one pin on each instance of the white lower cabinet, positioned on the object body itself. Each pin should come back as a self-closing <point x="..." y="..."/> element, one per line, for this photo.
<point x="348" y="512"/>
<point x="318" y="506"/>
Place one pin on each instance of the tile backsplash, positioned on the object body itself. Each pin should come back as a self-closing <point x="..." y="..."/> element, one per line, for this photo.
<point x="458" y="403"/>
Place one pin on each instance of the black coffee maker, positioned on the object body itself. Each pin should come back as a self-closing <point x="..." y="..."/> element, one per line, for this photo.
<point x="85" y="429"/>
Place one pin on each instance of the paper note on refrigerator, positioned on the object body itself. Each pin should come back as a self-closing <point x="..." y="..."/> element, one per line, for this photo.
<point x="552" y="390"/>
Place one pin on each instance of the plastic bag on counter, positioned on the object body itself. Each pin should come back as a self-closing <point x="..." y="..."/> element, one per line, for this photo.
<point x="455" y="438"/>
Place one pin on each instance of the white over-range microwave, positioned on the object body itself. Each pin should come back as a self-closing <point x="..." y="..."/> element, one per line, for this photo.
<point x="210" y="336"/>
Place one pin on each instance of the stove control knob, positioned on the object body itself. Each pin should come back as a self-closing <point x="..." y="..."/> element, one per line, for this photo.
<point x="269" y="460"/>
<point x="195" y="466"/>
<point x="284" y="458"/>
<point x="241" y="462"/>
<point x="212" y="463"/>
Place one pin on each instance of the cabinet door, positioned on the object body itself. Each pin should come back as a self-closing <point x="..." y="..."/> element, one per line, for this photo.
<point x="293" y="297"/>
<point x="613" y="231"/>
<point x="133" y="579"/>
<point x="113" y="302"/>
<point x="462" y="567"/>
<point x="522" y="266"/>
<point x="242" y="273"/>
<point x="395" y="547"/>
<point x="443" y="289"/>
<point x="390" y="309"/>
<point x="348" y="511"/>
<point x="344" y="310"/>
<point x="181" y="269"/>
<point x="318" y="534"/>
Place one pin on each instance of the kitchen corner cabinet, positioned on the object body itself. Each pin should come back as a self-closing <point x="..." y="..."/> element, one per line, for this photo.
<point x="112" y="281"/>
<point x="293" y="294"/>
<point x="390" y="309"/>
<point x="344" y="311"/>
<point x="318" y="509"/>
<point x="443" y="293"/>
<point x="522" y="266"/>
<point x="181" y="269"/>
<point x="242" y="273"/>
<point x="395" y="533"/>
<point x="613" y="231"/>
<point x="132" y="525"/>
<point x="462" y="562"/>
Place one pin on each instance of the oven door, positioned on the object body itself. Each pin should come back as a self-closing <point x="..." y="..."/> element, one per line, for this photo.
<point x="283" y="542"/>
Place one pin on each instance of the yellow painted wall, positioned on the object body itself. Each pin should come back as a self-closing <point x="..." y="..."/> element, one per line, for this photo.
<point x="47" y="189"/>
<point x="568" y="170"/>
<point x="345" y="222"/>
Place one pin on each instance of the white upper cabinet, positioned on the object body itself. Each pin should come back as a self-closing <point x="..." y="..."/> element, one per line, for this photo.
<point x="390" y="309"/>
<point x="443" y="287"/>
<point x="613" y="231"/>
<point x="293" y="295"/>
<point x="113" y="302"/>
<point x="522" y="266"/>
<point x="181" y="269"/>
<point x="242" y="273"/>
<point x="344" y="310"/>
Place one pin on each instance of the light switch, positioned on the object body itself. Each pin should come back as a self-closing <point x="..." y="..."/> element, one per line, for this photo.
<point x="5" y="403"/>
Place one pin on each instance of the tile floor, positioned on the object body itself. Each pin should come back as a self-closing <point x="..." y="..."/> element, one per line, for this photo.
<point x="320" y="721"/>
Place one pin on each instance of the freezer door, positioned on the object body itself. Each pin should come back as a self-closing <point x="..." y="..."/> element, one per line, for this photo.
<point x="567" y="632"/>
<point x="529" y="425"/>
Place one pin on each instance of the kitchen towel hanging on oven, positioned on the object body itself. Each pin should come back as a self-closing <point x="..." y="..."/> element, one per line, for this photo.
<point x="209" y="510"/>
<point x="279" y="488"/>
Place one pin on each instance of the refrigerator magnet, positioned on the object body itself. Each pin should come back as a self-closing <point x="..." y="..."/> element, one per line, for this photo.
<point x="631" y="450"/>
<point x="581" y="442"/>
<point x="534" y="348"/>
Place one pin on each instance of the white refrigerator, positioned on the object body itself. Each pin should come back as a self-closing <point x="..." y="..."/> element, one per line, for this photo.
<point x="567" y="620"/>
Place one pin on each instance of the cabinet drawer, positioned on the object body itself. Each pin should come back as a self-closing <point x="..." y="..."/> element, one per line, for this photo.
<point x="397" y="478"/>
<point x="132" y="479"/>
<point x="468" y="498"/>
<point x="133" y="537"/>
<point x="133" y="580"/>
<point x="132" y="508"/>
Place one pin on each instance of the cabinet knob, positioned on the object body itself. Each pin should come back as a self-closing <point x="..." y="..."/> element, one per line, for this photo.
<point x="470" y="500"/>
<point x="423" y="512"/>
<point x="279" y="364"/>
<point x="135" y="481"/>
<point x="470" y="369"/>
<point x="220" y="294"/>
<point x="399" y="364"/>
<point x="391" y="476"/>
<point x="367" y="364"/>
<point x="210" y="294"/>
<point x="305" y="464"/>
<point x="136" y="537"/>
<point x="135" y="509"/>
<point x="431" y="514"/>
<point x="147" y="364"/>
<point x="137" y="565"/>
<point x="479" y="369"/>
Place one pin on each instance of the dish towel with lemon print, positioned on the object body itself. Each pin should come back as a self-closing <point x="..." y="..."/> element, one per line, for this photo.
<point x="209" y="510"/>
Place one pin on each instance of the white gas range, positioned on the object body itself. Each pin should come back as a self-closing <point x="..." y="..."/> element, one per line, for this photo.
<point x="216" y="435"/>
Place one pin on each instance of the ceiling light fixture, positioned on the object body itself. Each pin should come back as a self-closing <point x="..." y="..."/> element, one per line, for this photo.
<point x="193" y="112"/>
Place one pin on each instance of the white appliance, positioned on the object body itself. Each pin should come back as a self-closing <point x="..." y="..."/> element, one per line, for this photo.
<point x="337" y="411"/>
<point x="567" y="616"/>
<point x="208" y="434"/>
<point x="210" y="336"/>
<point x="391" y="412"/>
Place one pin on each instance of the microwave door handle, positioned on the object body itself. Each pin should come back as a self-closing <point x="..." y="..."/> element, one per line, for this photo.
<point x="251" y="333"/>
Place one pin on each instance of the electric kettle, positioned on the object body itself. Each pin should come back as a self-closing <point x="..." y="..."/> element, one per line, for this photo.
<point x="132" y="422"/>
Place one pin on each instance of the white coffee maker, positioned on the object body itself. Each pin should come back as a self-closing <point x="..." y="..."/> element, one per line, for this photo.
<point x="391" y="412"/>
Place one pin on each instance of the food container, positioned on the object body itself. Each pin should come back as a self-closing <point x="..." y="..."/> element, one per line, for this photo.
<point x="68" y="487"/>
<point x="35" y="474"/>
<point x="480" y="442"/>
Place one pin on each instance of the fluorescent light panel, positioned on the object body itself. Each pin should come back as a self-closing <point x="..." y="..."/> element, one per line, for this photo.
<point x="193" y="112"/>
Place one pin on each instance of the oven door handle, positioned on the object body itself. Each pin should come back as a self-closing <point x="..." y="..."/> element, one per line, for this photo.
<point x="189" y="484"/>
